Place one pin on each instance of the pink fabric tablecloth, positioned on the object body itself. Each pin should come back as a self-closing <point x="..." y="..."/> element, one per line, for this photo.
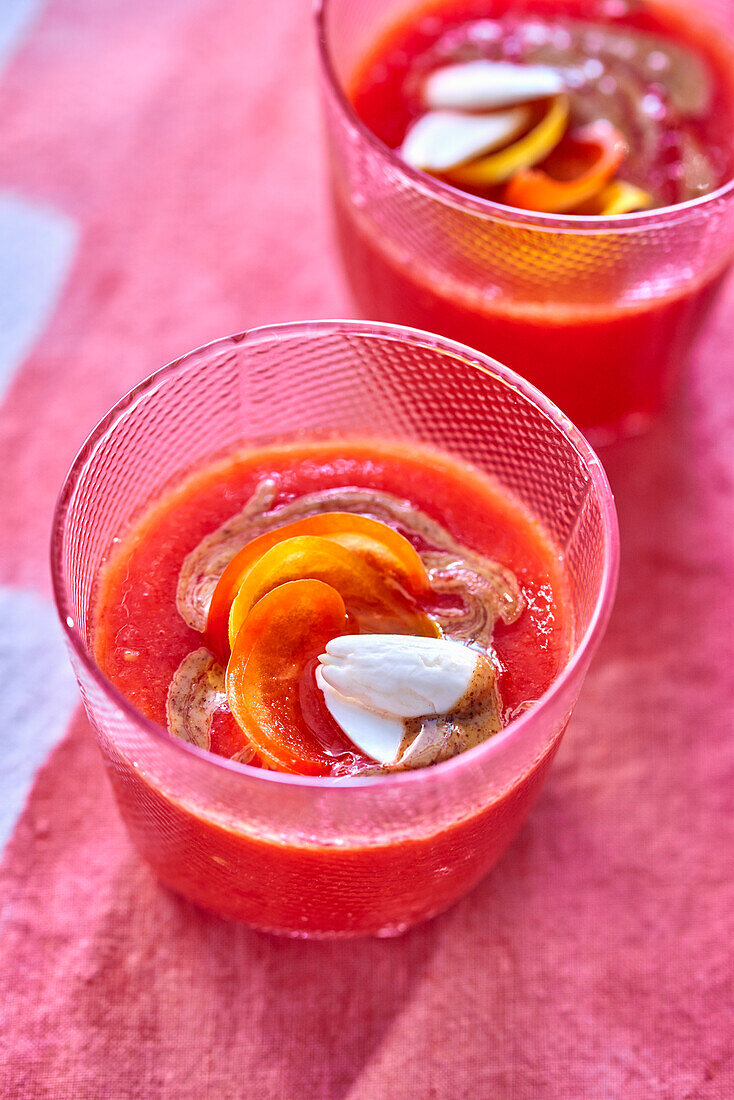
<point x="180" y="140"/>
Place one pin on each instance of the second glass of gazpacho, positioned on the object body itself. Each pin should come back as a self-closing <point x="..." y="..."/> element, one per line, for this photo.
<point x="551" y="181"/>
<point x="331" y="590"/>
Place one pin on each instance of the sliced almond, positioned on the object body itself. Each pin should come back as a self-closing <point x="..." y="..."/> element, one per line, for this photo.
<point x="399" y="674"/>
<point x="484" y="85"/>
<point x="476" y="717"/>
<point x="409" y="702"/>
<point x="378" y="735"/>
<point x="442" y="140"/>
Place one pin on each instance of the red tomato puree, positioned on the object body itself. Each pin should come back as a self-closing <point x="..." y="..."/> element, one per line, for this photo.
<point x="140" y="639"/>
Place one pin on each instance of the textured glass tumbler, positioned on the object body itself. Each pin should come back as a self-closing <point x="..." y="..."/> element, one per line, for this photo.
<point x="285" y="853"/>
<point x="598" y="313"/>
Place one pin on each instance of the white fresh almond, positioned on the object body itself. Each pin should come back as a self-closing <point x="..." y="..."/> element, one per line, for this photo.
<point x="378" y="735"/>
<point x="398" y="674"/>
<point x="484" y="85"/>
<point x="442" y="140"/>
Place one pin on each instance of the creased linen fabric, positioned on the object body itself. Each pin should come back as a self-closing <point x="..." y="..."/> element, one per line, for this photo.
<point x="181" y="141"/>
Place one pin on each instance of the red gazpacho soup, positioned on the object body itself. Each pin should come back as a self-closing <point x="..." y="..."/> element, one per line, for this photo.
<point x="556" y="107"/>
<point x="333" y="610"/>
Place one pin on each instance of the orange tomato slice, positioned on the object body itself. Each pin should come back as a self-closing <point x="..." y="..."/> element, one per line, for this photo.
<point x="285" y="630"/>
<point x="380" y="545"/>
<point x="369" y="599"/>
<point x="573" y="173"/>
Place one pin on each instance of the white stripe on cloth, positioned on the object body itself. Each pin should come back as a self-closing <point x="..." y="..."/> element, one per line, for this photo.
<point x="15" y="19"/>
<point x="38" y="695"/>
<point x="36" y="249"/>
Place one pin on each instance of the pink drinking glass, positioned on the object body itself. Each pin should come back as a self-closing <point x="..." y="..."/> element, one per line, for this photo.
<point x="285" y="853"/>
<point x="598" y="313"/>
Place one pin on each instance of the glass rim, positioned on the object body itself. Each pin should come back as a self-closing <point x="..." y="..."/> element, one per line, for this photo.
<point x="453" y="196"/>
<point x="400" y="333"/>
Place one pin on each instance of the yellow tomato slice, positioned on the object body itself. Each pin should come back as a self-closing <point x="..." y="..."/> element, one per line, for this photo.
<point x="528" y="151"/>
<point x="618" y="197"/>
<point x="373" y="604"/>
<point x="379" y="545"/>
